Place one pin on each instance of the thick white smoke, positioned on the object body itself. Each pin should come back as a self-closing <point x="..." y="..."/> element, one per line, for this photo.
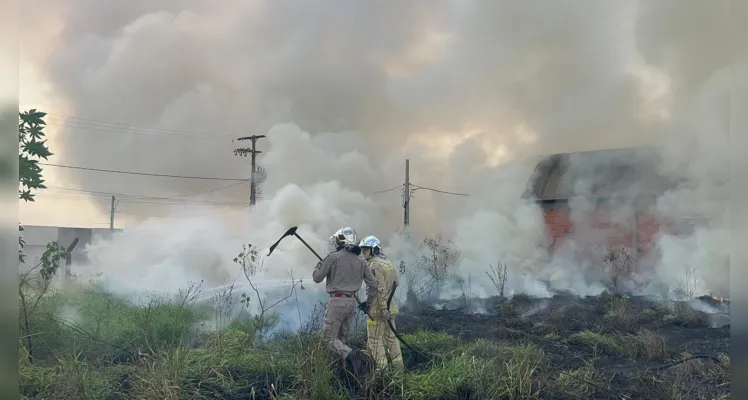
<point x="471" y="92"/>
<point x="699" y="153"/>
<point x="165" y="255"/>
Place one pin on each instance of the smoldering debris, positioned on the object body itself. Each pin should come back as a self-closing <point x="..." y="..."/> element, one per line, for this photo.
<point x="541" y="306"/>
<point x="589" y="311"/>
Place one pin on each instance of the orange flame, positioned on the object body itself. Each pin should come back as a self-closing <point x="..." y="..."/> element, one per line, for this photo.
<point x="720" y="299"/>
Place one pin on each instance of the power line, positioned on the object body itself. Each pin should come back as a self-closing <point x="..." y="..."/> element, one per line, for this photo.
<point x="185" y="203"/>
<point x="128" y="125"/>
<point x="388" y="190"/>
<point x="100" y="196"/>
<point x="128" y="198"/>
<point x="138" y="196"/>
<point x="120" y="127"/>
<point x="145" y="196"/>
<point x="104" y="129"/>
<point x="208" y="191"/>
<point x="172" y="213"/>
<point x="152" y="203"/>
<point x="440" y="191"/>
<point x="144" y="173"/>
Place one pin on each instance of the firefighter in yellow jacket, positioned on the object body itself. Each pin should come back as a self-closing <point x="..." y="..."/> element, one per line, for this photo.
<point x="381" y="340"/>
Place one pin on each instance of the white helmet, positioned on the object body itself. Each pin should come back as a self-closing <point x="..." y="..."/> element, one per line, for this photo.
<point x="346" y="237"/>
<point x="371" y="242"/>
<point x="332" y="244"/>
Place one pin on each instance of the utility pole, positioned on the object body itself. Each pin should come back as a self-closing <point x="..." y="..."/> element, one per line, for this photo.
<point x="111" y="219"/>
<point x="253" y="152"/>
<point x="406" y="196"/>
<point x="69" y="259"/>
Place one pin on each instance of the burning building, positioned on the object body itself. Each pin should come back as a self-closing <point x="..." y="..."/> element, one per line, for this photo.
<point x="601" y="199"/>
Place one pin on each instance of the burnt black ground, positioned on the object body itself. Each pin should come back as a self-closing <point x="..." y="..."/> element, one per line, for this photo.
<point x="548" y="323"/>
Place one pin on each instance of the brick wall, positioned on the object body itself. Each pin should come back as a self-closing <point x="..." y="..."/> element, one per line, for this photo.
<point x="559" y="226"/>
<point x="648" y="228"/>
<point x="557" y="222"/>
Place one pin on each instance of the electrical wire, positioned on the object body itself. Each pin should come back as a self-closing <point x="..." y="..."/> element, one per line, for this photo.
<point x="185" y="203"/>
<point x="207" y="191"/>
<point x="102" y="196"/>
<point x="98" y="125"/>
<point x="143" y="199"/>
<point x="387" y="190"/>
<point x="144" y="173"/>
<point x="101" y="129"/>
<point x="439" y="191"/>
<point x="134" y="196"/>
<point x="106" y="130"/>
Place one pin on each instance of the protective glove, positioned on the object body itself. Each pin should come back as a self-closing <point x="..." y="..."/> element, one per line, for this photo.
<point x="364" y="307"/>
<point x="319" y="265"/>
<point x="387" y="315"/>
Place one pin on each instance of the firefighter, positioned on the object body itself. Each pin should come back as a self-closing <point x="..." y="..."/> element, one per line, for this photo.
<point x="344" y="271"/>
<point x="381" y="340"/>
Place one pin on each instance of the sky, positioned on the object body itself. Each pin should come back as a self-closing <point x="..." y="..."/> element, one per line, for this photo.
<point x="436" y="81"/>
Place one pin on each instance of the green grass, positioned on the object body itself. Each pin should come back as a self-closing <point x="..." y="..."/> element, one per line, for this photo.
<point x="90" y="345"/>
<point x="619" y="315"/>
<point x="644" y="344"/>
<point x="483" y="370"/>
<point x="431" y="342"/>
<point x="99" y="328"/>
<point x="692" y="379"/>
<point x="582" y="383"/>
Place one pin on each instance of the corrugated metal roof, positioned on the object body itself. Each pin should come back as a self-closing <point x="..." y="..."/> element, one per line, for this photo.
<point x="629" y="173"/>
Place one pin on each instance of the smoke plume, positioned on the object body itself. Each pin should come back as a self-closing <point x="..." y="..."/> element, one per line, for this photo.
<point x="473" y="93"/>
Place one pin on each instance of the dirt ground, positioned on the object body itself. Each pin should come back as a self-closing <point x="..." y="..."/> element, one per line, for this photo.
<point x="630" y="341"/>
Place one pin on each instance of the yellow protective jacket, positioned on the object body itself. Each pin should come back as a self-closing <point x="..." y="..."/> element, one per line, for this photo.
<point x="386" y="276"/>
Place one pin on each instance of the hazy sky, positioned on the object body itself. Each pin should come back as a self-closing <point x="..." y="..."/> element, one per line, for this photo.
<point x="458" y="87"/>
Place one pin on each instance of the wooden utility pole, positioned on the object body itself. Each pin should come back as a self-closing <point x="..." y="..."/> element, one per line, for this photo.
<point x="253" y="152"/>
<point x="635" y="233"/>
<point x="111" y="219"/>
<point x="69" y="259"/>
<point x="406" y="196"/>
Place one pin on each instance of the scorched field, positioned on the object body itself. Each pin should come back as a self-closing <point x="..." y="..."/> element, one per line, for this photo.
<point x="91" y="345"/>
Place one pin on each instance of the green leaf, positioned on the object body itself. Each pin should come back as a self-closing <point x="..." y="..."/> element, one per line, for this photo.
<point x="51" y="258"/>
<point x="31" y="145"/>
<point x="36" y="148"/>
<point x="33" y="117"/>
<point x="21" y="244"/>
<point x="26" y="195"/>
